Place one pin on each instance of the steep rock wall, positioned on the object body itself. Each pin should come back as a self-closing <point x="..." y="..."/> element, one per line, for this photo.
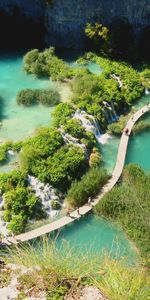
<point x="65" y="20"/>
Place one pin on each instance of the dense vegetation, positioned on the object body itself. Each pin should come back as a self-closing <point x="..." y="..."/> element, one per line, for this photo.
<point x="48" y="155"/>
<point x="29" y="97"/>
<point x="64" y="270"/>
<point x="118" y="40"/>
<point x="98" y="94"/>
<point x="46" y="64"/>
<point x="128" y="204"/>
<point x="20" y="203"/>
<point x="89" y="185"/>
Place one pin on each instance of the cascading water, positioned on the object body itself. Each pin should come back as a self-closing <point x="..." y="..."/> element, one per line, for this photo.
<point x="105" y="112"/>
<point x="111" y="111"/>
<point x="147" y="91"/>
<point x="45" y="193"/>
<point x="69" y="139"/>
<point x="89" y="123"/>
<point x="118" y="79"/>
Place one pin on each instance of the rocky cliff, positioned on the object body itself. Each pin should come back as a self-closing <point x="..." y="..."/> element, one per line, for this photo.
<point x="65" y="20"/>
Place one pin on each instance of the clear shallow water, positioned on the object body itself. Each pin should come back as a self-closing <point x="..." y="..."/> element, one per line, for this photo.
<point x="19" y="122"/>
<point x="95" y="234"/>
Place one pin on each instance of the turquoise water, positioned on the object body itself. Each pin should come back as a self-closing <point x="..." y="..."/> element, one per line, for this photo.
<point x="92" y="233"/>
<point x="138" y="147"/>
<point x="95" y="234"/>
<point x="19" y="122"/>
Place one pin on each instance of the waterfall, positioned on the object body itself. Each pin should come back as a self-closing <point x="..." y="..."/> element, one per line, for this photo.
<point x="118" y="79"/>
<point x="69" y="139"/>
<point x="45" y="193"/>
<point x="111" y="110"/>
<point x="147" y="91"/>
<point x="106" y="116"/>
<point x="88" y="122"/>
<point x="3" y="224"/>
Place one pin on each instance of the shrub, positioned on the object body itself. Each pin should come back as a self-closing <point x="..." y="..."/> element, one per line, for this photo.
<point x="89" y="185"/>
<point x="47" y="64"/>
<point x="74" y="128"/>
<point x="61" y="114"/>
<point x="55" y="205"/>
<point x="95" y="158"/>
<point x="30" y="97"/>
<point x="65" y="165"/>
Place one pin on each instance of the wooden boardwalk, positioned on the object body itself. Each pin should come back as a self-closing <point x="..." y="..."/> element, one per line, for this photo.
<point x="86" y="208"/>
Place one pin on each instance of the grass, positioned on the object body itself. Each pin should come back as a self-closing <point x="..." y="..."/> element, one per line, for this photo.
<point x="5" y="277"/>
<point x="56" y="271"/>
<point x="128" y="205"/>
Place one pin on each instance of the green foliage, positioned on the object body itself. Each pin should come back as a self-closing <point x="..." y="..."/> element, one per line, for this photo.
<point x="37" y="149"/>
<point x="45" y="142"/>
<point x="145" y="77"/>
<point x="89" y="185"/>
<point x="95" y="158"/>
<point x="128" y="204"/>
<point x="5" y="277"/>
<point x="46" y="64"/>
<point x="98" y="34"/>
<point x="29" y="97"/>
<point x="55" y="205"/>
<point x="91" y="91"/>
<point x="62" y="113"/>
<point x="74" y="128"/>
<point x="9" y="181"/>
<point x="20" y="203"/>
<point x="117" y="127"/>
<point x="65" y="165"/>
<point x="63" y="269"/>
<point x="20" y="206"/>
<point x="3" y="150"/>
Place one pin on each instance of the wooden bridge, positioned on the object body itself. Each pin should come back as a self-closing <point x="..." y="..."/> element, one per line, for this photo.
<point x="86" y="208"/>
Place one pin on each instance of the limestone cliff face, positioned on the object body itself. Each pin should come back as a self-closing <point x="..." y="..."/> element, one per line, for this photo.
<point x="31" y="8"/>
<point x="65" y="20"/>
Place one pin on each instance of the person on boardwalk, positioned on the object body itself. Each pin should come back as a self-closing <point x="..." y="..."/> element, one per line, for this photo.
<point x="89" y="201"/>
<point x="78" y="211"/>
<point x="127" y="131"/>
<point x="68" y="213"/>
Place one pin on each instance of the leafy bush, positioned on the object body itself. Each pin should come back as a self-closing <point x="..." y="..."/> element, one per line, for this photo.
<point x="47" y="64"/>
<point x="9" y="181"/>
<point x="95" y="158"/>
<point x="55" y="205"/>
<point x="30" y="97"/>
<point x="3" y="150"/>
<point x="62" y="113"/>
<point x="117" y="127"/>
<point x="89" y="185"/>
<point x="65" y="165"/>
<point x="20" y="206"/>
<point x="74" y="128"/>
